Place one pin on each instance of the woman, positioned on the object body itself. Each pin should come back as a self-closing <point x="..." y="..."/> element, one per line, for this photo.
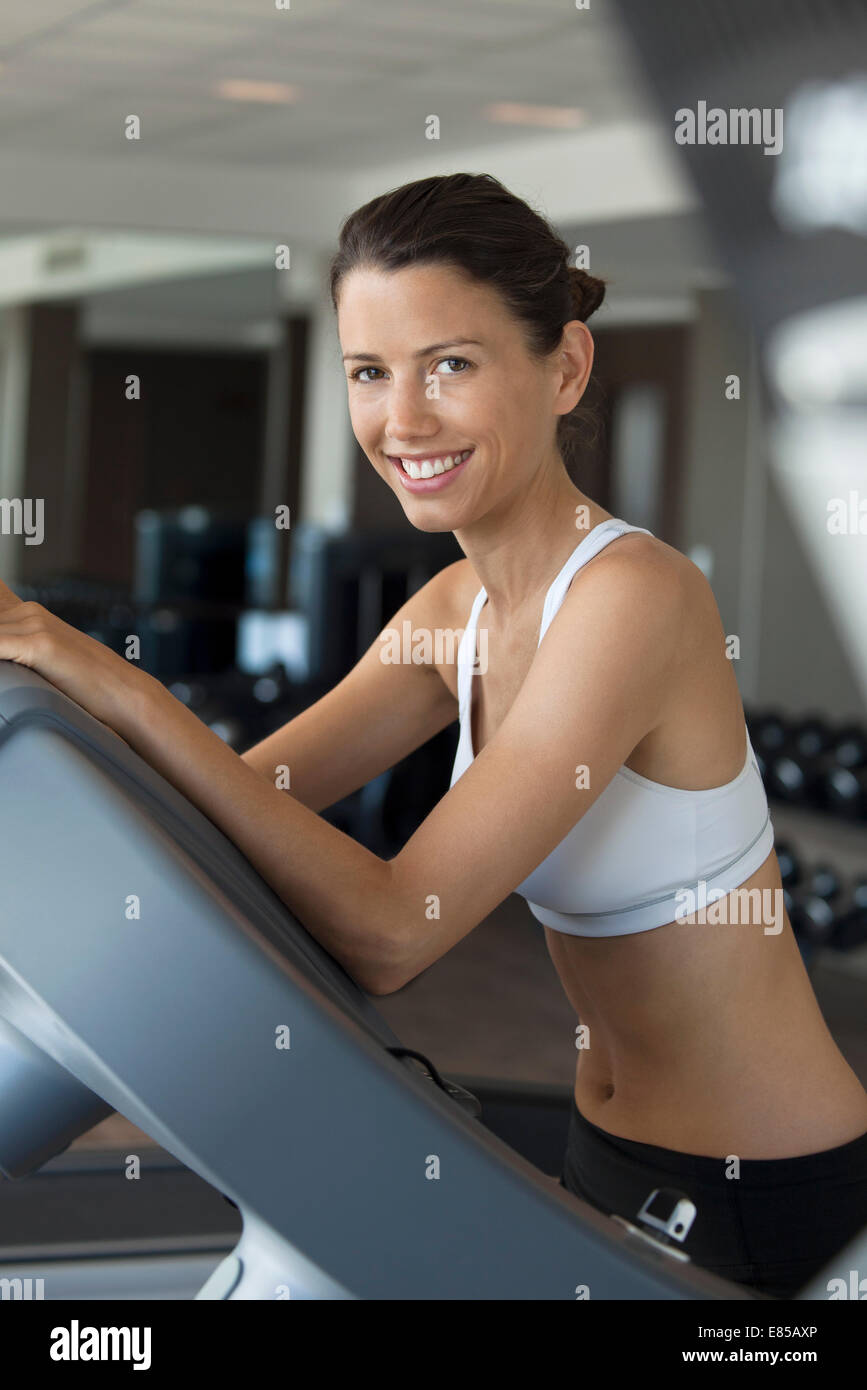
<point x="603" y="771"/>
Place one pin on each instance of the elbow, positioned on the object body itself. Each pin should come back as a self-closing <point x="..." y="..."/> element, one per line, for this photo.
<point x="377" y="988"/>
<point x="389" y="972"/>
<point x="392" y="958"/>
<point x="385" y="978"/>
<point x="378" y="984"/>
<point x="388" y="963"/>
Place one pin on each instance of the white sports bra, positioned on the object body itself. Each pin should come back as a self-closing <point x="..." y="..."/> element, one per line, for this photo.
<point x="624" y="864"/>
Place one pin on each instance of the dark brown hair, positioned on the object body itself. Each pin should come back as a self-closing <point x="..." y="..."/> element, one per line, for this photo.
<point x="472" y="222"/>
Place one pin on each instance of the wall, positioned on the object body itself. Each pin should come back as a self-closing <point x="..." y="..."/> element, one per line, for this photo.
<point x="791" y="656"/>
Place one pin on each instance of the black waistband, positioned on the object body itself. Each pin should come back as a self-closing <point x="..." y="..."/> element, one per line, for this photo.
<point x="849" y="1158"/>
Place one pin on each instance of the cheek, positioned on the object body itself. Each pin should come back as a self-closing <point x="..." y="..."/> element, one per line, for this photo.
<point x="509" y="397"/>
<point x="362" y="418"/>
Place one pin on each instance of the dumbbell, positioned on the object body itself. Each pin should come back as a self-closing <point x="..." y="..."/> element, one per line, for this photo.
<point x="791" y="869"/>
<point x="844" y="791"/>
<point x="792" y="765"/>
<point x="812" y="905"/>
<point x="834" y="778"/>
<point x="823" y="881"/>
<point x="770" y="735"/>
<point x="851" y="926"/>
<point x="812" y="918"/>
<point x="839" y="775"/>
<point x="811" y="736"/>
<point x="805" y="945"/>
<point x="769" y="731"/>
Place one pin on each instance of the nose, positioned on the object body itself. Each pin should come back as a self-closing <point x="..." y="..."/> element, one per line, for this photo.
<point x="410" y="413"/>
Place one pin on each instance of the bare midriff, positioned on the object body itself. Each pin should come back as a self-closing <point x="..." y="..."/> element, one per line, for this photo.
<point x="706" y="1037"/>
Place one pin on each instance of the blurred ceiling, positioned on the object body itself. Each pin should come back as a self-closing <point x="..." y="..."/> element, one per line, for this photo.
<point x="360" y="79"/>
<point x="365" y="74"/>
<point x="214" y="182"/>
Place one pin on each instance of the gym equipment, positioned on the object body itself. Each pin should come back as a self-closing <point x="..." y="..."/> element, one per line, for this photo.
<point x="811" y="916"/>
<point x="76" y="1204"/>
<point x="349" y="585"/>
<point x="177" y="639"/>
<point x="145" y="967"/>
<point x="789" y="864"/>
<point x="812" y="736"/>
<point x="794" y="769"/>
<point x="824" y="882"/>
<point x="845" y="791"/>
<point x="189" y="553"/>
<point x="850" y="930"/>
<point x="769" y="732"/>
<point x="241" y="707"/>
<point x="809" y="763"/>
<point x="826" y="781"/>
<point x="823" y="909"/>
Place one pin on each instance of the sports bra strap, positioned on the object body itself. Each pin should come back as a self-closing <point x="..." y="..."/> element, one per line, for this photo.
<point x="593" y="542"/>
<point x="590" y="545"/>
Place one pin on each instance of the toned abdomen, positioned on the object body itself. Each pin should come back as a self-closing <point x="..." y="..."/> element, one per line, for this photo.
<point x="707" y="1038"/>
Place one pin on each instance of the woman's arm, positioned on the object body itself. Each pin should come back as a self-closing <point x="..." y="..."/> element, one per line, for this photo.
<point x="598" y="684"/>
<point x="378" y="714"/>
<point x="339" y="890"/>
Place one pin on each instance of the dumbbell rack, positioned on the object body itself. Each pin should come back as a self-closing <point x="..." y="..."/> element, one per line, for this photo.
<point x="820" y="839"/>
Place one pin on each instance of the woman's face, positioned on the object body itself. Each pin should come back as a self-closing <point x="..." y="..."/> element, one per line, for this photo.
<point x="436" y="366"/>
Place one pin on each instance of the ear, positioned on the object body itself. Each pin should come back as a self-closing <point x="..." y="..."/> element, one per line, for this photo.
<point x="575" y="363"/>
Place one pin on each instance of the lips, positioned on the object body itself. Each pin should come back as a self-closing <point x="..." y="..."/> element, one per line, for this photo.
<point x="427" y="478"/>
<point x="431" y="465"/>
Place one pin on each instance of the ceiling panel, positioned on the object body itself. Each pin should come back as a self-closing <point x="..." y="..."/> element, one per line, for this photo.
<point x="369" y="72"/>
<point x="169" y="29"/>
<point x="20" y="22"/>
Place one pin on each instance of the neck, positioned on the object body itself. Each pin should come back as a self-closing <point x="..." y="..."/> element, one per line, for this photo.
<point x="521" y="545"/>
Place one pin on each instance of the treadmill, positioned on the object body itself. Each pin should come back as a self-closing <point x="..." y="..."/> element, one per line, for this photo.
<point x="145" y="967"/>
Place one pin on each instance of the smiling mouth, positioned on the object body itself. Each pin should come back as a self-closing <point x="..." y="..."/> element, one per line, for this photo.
<point x="430" y="467"/>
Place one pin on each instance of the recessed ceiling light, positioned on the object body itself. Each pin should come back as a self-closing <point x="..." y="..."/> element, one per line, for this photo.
<point x="242" y="89"/>
<point x="520" y="113"/>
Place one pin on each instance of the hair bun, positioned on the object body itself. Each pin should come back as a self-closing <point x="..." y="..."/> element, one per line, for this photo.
<point x="587" y="292"/>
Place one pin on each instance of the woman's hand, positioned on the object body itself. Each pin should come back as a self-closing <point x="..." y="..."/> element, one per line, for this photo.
<point x="92" y="675"/>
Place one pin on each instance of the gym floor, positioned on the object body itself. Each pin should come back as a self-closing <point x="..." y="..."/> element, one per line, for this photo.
<point x="493" y="1006"/>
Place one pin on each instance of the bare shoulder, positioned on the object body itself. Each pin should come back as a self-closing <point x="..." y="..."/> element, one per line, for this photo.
<point x="643" y="566"/>
<point x="668" y="573"/>
<point x="651" y="581"/>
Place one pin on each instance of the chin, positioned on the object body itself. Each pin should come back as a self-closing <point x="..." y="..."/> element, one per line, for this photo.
<point x="427" y="523"/>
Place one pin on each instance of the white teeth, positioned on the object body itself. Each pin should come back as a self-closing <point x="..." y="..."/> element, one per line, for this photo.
<point x="429" y="468"/>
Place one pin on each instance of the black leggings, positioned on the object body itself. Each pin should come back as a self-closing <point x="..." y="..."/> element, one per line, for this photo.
<point x="772" y="1228"/>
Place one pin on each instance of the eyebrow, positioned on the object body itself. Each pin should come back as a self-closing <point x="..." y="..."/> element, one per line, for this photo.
<point x="422" y="352"/>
